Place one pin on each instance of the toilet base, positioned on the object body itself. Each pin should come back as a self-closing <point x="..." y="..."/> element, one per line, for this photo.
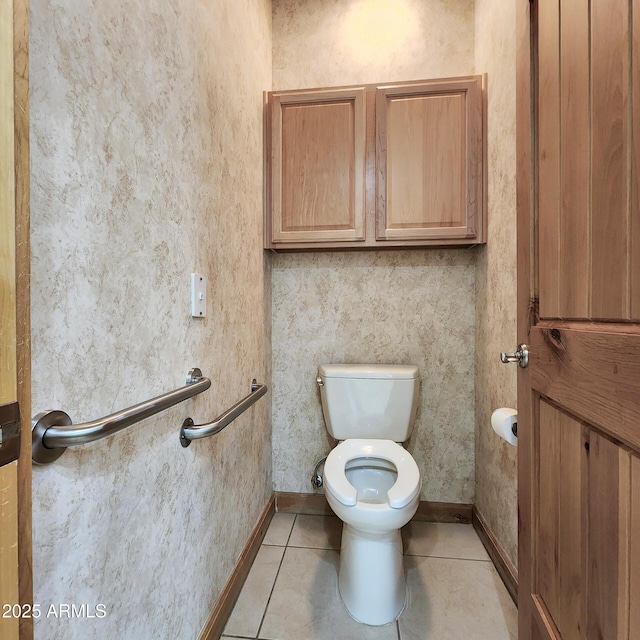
<point x="371" y="578"/>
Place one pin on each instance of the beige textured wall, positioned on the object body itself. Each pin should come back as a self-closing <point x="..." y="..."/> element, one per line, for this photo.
<point x="400" y="306"/>
<point x="496" y="481"/>
<point x="320" y="43"/>
<point x="147" y="165"/>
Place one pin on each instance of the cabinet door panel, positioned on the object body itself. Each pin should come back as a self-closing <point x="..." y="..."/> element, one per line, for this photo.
<point x="317" y="155"/>
<point x="429" y="160"/>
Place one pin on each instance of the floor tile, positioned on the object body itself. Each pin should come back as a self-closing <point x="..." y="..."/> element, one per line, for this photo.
<point x="456" y="600"/>
<point x="279" y="529"/>
<point x="305" y="602"/>
<point x="316" y="532"/>
<point x="247" y="614"/>
<point x="444" y="540"/>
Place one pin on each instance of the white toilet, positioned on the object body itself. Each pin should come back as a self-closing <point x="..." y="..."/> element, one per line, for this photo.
<point x="371" y="482"/>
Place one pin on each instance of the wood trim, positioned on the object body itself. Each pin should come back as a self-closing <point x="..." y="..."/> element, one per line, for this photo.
<point x="15" y="382"/>
<point x="316" y="504"/>
<point x="483" y="228"/>
<point x="378" y="245"/>
<point x="505" y="568"/>
<point x="266" y="169"/>
<point x="526" y="16"/>
<point x="444" y="512"/>
<point x="313" y="504"/>
<point x="23" y="302"/>
<point x="442" y="83"/>
<point x="543" y="619"/>
<point x="224" y="606"/>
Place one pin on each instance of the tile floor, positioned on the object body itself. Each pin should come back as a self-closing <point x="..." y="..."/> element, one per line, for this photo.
<point x="291" y="592"/>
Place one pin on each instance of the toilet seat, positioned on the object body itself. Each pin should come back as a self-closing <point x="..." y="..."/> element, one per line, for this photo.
<point x="406" y="487"/>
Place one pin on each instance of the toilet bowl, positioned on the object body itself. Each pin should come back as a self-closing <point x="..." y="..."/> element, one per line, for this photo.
<point x="373" y="486"/>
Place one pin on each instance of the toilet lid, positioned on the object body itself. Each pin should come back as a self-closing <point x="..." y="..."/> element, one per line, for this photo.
<point x="401" y="493"/>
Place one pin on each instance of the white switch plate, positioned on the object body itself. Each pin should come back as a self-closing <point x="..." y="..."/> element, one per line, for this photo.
<point x="198" y="295"/>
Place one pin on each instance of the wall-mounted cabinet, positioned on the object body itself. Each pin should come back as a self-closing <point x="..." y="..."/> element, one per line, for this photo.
<point x="376" y="166"/>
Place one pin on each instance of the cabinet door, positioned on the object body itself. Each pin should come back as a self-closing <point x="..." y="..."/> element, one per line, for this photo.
<point x="317" y="166"/>
<point x="429" y="160"/>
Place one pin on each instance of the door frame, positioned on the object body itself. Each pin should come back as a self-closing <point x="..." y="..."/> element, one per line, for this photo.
<point x="526" y="298"/>
<point x="14" y="27"/>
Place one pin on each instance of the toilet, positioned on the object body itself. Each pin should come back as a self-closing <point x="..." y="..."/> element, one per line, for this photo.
<point x="371" y="482"/>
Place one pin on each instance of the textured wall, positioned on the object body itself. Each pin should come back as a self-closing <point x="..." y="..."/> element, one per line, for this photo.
<point x="320" y="43"/>
<point x="496" y="482"/>
<point x="147" y="165"/>
<point x="413" y="307"/>
<point x="402" y="306"/>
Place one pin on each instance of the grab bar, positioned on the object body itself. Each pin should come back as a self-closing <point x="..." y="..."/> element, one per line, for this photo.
<point x="190" y="431"/>
<point x="52" y="431"/>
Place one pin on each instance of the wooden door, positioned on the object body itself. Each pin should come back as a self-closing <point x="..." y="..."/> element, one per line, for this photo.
<point x="317" y="165"/>
<point x="579" y="311"/>
<point x="15" y="496"/>
<point x="429" y="159"/>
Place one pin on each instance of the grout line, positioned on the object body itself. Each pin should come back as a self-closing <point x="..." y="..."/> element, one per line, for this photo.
<point x="398" y="628"/>
<point x="273" y="586"/>
<point x="293" y="524"/>
<point x="411" y="555"/>
<point x="297" y="546"/>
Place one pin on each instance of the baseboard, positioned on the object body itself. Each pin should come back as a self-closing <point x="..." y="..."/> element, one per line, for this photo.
<point x="315" y="504"/>
<point x="311" y="504"/>
<point x="443" y="512"/>
<point x="505" y="568"/>
<point x="224" y="606"/>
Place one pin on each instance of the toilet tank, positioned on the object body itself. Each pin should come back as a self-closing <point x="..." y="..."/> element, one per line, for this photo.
<point x="369" y="400"/>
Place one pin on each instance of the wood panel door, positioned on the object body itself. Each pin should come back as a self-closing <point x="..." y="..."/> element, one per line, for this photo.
<point x="15" y="475"/>
<point x="317" y="166"/>
<point x="579" y="311"/>
<point x="429" y="158"/>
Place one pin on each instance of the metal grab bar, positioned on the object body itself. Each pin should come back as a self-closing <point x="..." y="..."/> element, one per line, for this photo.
<point x="52" y="431"/>
<point x="190" y="431"/>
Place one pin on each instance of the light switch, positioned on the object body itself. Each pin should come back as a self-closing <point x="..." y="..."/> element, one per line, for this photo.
<point x="198" y="295"/>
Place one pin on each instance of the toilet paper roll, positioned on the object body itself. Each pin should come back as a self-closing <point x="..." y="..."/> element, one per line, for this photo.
<point x="502" y="421"/>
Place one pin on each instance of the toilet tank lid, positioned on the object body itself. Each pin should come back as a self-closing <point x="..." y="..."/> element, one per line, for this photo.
<point x="370" y="371"/>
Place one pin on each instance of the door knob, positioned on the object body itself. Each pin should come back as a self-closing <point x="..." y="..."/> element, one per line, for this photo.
<point x="521" y="356"/>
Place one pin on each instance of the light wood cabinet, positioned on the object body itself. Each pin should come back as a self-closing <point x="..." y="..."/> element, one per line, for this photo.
<point x="317" y="165"/>
<point x="376" y="166"/>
